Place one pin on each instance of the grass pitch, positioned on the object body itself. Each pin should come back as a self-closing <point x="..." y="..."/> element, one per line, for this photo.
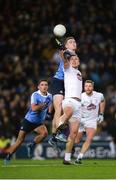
<point x="54" y="169"/>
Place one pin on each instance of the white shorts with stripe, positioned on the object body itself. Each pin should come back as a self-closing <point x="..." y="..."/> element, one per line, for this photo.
<point x="76" y="106"/>
<point x="87" y="124"/>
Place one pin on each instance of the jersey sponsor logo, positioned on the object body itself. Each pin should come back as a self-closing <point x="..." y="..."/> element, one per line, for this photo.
<point x="91" y="106"/>
<point x="79" y="76"/>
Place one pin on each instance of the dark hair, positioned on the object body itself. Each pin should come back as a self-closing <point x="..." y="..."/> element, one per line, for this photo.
<point x="70" y="37"/>
<point x="41" y="80"/>
<point x="90" y="81"/>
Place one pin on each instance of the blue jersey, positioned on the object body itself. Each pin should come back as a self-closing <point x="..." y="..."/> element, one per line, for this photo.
<point x="39" y="115"/>
<point x="60" y="72"/>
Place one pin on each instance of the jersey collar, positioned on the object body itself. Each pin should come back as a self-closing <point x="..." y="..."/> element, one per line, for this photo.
<point x="39" y="92"/>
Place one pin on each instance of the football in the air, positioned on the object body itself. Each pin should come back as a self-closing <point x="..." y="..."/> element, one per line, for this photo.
<point x="59" y="30"/>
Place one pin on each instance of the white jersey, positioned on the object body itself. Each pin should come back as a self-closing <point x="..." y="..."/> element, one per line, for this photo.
<point x="90" y="106"/>
<point x="72" y="82"/>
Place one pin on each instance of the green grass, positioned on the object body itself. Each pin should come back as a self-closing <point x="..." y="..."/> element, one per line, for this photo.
<point x="54" y="169"/>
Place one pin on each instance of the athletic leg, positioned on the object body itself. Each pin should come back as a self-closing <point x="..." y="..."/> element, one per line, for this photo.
<point x="41" y="134"/>
<point x="15" y="146"/>
<point x="90" y="132"/>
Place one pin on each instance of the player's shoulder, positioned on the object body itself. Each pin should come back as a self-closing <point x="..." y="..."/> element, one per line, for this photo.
<point x="49" y="94"/>
<point x="57" y="58"/>
<point x="83" y="94"/>
<point x="72" y="69"/>
<point x="36" y="93"/>
<point x="99" y="94"/>
<point x="69" y="68"/>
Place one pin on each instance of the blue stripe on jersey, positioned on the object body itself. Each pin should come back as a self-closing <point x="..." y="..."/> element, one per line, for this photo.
<point x="60" y="72"/>
<point x="37" y="116"/>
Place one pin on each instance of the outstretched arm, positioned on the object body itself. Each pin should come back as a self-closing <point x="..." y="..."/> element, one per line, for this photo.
<point x="67" y="54"/>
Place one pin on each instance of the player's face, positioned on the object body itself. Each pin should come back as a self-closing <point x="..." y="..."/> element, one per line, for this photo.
<point x="71" y="44"/>
<point x="74" y="61"/>
<point x="43" y="87"/>
<point x="88" y="88"/>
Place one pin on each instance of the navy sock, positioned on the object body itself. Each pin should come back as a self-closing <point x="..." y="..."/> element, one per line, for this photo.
<point x="9" y="156"/>
<point x="33" y="144"/>
<point x="54" y="137"/>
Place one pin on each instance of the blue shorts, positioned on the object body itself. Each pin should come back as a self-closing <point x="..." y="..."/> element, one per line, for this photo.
<point x="27" y="126"/>
<point x="56" y="87"/>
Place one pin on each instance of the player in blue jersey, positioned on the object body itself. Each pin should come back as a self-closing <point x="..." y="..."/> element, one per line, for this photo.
<point x="57" y="88"/>
<point x="41" y="103"/>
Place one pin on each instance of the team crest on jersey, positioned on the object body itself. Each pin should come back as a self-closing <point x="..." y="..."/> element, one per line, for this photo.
<point x="79" y="76"/>
<point x="91" y="106"/>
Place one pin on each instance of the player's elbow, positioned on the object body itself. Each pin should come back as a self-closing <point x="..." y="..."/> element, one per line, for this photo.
<point x="34" y="107"/>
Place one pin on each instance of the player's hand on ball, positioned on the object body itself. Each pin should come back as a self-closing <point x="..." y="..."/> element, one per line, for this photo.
<point x="60" y="45"/>
<point x="100" y="118"/>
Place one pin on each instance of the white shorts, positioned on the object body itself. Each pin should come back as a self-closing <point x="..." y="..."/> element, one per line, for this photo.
<point x="76" y="106"/>
<point x="87" y="124"/>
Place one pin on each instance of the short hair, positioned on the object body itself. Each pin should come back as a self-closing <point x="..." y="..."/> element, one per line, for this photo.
<point x="41" y="80"/>
<point x="70" y="37"/>
<point x="89" y="81"/>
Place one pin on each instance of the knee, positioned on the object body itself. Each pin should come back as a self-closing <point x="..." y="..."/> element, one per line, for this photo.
<point x="20" y="140"/>
<point x="89" y="139"/>
<point x="68" y="112"/>
<point x="73" y="135"/>
<point x="44" y="134"/>
<point x="77" y="140"/>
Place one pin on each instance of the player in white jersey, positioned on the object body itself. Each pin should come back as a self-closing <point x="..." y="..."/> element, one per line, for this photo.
<point x="72" y="103"/>
<point x="57" y="88"/>
<point x="93" y="105"/>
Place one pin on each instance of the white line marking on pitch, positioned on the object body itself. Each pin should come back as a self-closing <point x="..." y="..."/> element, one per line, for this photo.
<point x="31" y="165"/>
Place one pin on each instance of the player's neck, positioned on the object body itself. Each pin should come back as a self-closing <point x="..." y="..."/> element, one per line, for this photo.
<point x="75" y="67"/>
<point x="44" y="93"/>
<point x="90" y="94"/>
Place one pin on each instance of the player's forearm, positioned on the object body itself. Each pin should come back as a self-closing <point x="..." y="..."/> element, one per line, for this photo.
<point x="38" y="107"/>
<point x="63" y="58"/>
<point x="50" y="108"/>
<point x="66" y="63"/>
<point x="102" y="107"/>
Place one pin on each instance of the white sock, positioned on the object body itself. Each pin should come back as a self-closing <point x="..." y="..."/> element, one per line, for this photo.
<point x="67" y="156"/>
<point x="112" y="148"/>
<point x="80" y="156"/>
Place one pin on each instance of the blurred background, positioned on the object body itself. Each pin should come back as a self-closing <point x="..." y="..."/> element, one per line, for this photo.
<point x="28" y="52"/>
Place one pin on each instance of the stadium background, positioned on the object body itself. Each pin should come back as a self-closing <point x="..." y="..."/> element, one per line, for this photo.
<point x="28" y="52"/>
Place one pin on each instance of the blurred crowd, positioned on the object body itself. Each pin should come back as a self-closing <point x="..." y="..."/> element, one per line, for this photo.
<point x="28" y="52"/>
